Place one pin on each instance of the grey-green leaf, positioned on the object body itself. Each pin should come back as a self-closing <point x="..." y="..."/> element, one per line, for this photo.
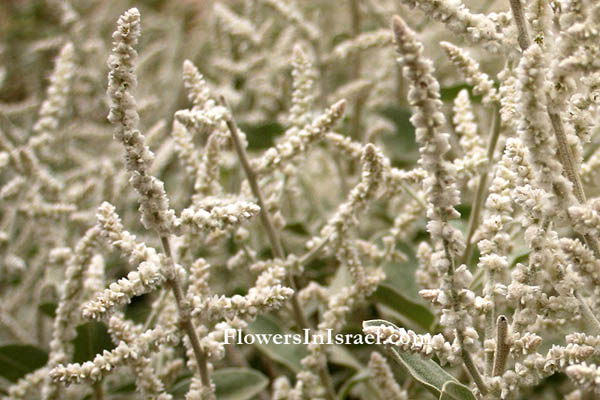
<point x="415" y="312"/>
<point x="230" y="384"/>
<point x="238" y="383"/>
<point x="427" y="372"/>
<point x="17" y="360"/>
<point x="289" y="354"/>
<point x="455" y="391"/>
<point x="92" y="338"/>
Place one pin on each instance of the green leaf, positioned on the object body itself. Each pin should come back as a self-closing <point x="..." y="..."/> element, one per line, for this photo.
<point x="415" y="312"/>
<point x="92" y="338"/>
<point x="261" y="135"/>
<point x="402" y="145"/>
<point x="298" y="228"/>
<point x="17" y="360"/>
<point x="427" y="372"/>
<point x="289" y="354"/>
<point x="449" y="93"/>
<point x="230" y="384"/>
<point x="361" y="376"/>
<point x="340" y="355"/>
<point x="238" y="383"/>
<point x="48" y="308"/>
<point x="455" y="391"/>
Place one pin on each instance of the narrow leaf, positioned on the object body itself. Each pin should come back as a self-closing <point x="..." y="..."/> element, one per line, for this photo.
<point x="289" y="354"/>
<point x="92" y="338"/>
<point x="238" y="383"/>
<point x="455" y="391"/>
<point x="17" y="360"/>
<point x="415" y="312"/>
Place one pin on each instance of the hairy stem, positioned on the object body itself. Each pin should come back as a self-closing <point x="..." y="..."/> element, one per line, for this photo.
<point x="185" y="317"/>
<point x="466" y="356"/>
<point x="566" y="159"/>
<point x="517" y="11"/>
<point x="355" y="132"/>
<point x="98" y="390"/>
<point x="478" y="201"/>
<point x="590" y="319"/>
<point x="502" y="347"/>
<point x="274" y="239"/>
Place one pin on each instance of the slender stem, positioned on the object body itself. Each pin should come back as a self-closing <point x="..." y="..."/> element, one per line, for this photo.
<point x="298" y="313"/>
<point x="466" y="356"/>
<point x="566" y="159"/>
<point x="517" y="11"/>
<point x="590" y="319"/>
<point x="155" y="311"/>
<point x="356" y="70"/>
<point x="98" y="390"/>
<point x="565" y="154"/>
<point x="185" y="316"/>
<point x="490" y="315"/>
<point x="502" y="347"/>
<point x="482" y="185"/>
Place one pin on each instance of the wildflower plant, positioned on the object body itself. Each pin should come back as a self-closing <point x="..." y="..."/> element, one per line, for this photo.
<point x="284" y="199"/>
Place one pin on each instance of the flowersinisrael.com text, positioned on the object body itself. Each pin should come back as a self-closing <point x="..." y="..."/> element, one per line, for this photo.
<point x="238" y="336"/>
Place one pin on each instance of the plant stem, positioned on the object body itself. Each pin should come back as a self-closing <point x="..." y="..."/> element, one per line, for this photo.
<point x="566" y="159"/>
<point x="478" y="201"/>
<point x="155" y="311"/>
<point x="466" y="356"/>
<point x="274" y="239"/>
<point x="502" y="348"/>
<point x="517" y="11"/>
<point x="590" y="319"/>
<point x="355" y="132"/>
<point x="98" y="390"/>
<point x="185" y="317"/>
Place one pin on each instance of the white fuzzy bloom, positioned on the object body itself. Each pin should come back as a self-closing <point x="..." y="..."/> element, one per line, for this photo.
<point x="102" y="364"/>
<point x="304" y="77"/>
<point x="184" y="146"/>
<point x="509" y="98"/>
<point x="362" y="42"/>
<point x="154" y="204"/>
<point x="193" y="81"/>
<point x="477" y="28"/>
<point x="475" y="159"/>
<point x="469" y="69"/>
<point x="523" y="344"/>
<point x="281" y="388"/>
<point x="235" y="24"/>
<point x="58" y="92"/>
<point x="294" y="145"/>
<point x="582" y="260"/>
<point x="145" y="279"/>
<point x="585" y="375"/>
<point x="586" y="217"/>
<point x="147" y="381"/>
<point x="21" y="389"/>
<point x="408" y="341"/>
<point x="65" y="320"/>
<point x="384" y="378"/>
<point x="424" y="98"/>
<point x="267" y="294"/>
<point x="288" y="11"/>
<point x="535" y="128"/>
<point x="207" y="220"/>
